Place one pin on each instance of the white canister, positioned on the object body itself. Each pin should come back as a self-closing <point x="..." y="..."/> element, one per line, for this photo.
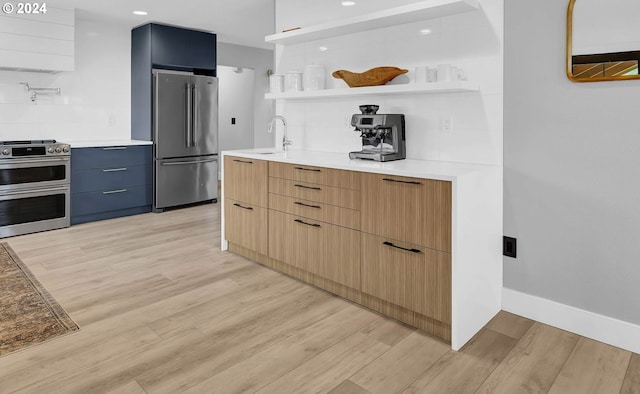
<point x="313" y="77"/>
<point x="293" y="81"/>
<point x="445" y="73"/>
<point x="276" y="83"/>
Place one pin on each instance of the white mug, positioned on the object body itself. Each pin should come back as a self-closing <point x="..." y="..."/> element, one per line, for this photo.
<point x="458" y="74"/>
<point x="293" y="81"/>
<point x="432" y="75"/>
<point x="445" y="72"/>
<point x="276" y="83"/>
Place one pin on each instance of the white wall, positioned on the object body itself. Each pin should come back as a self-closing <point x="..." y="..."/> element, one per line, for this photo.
<point x="472" y="41"/>
<point x="571" y="161"/>
<point x="260" y="60"/>
<point x="95" y="100"/>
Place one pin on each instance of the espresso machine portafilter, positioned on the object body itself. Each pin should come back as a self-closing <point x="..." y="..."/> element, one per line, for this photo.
<point x="383" y="135"/>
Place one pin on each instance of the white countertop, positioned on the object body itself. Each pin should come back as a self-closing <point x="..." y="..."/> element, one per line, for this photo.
<point x="99" y="143"/>
<point x="431" y="169"/>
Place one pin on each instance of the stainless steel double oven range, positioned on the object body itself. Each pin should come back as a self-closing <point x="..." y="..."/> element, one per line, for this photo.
<point x="34" y="186"/>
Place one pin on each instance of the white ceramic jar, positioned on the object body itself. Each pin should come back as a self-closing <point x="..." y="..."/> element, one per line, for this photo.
<point x="313" y="77"/>
<point x="276" y="83"/>
<point x="293" y="81"/>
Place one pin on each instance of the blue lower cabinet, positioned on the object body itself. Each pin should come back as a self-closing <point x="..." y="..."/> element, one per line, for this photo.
<point x="108" y="183"/>
<point x="94" y="179"/>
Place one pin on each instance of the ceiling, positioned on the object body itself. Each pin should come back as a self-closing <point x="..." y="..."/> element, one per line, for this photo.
<point x="242" y="22"/>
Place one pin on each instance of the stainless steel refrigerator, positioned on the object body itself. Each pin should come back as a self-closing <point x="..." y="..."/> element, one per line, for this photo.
<point x="185" y="138"/>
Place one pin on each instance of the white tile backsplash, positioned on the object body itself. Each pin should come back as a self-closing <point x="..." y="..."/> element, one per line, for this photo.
<point x="471" y="41"/>
<point x="95" y="99"/>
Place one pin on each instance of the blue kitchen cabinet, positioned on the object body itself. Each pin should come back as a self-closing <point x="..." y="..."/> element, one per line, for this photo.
<point x="111" y="181"/>
<point x="173" y="47"/>
<point x="155" y="46"/>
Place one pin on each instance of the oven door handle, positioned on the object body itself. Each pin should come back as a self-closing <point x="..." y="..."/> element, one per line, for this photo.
<point x="36" y="162"/>
<point x="31" y="191"/>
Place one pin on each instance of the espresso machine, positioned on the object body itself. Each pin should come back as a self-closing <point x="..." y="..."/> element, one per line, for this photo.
<point x="383" y="135"/>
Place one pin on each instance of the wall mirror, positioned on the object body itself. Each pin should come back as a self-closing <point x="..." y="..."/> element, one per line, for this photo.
<point x="603" y="40"/>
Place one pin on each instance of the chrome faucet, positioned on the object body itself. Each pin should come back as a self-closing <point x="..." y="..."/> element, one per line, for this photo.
<point x="285" y="141"/>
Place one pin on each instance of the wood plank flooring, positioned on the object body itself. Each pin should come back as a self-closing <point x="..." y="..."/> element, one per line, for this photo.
<point x="162" y="310"/>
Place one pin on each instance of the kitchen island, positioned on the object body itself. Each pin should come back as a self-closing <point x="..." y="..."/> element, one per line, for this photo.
<point x="417" y="240"/>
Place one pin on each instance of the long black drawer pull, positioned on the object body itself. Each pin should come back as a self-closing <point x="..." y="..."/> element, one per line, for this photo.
<point x="307" y="169"/>
<point x="307" y="187"/>
<point x="400" y="247"/>
<point x="240" y="206"/>
<point x="307" y="205"/>
<point x="243" y="161"/>
<point x="397" y="181"/>
<point x="308" y="224"/>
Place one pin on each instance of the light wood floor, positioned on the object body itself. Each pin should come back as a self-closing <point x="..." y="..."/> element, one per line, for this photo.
<point x="163" y="310"/>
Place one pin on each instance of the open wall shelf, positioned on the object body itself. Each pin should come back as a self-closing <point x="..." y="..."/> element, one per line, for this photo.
<point x="409" y="13"/>
<point x="432" y="87"/>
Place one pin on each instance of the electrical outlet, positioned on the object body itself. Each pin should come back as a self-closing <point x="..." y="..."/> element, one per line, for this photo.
<point x="111" y="120"/>
<point x="509" y="246"/>
<point x="446" y="125"/>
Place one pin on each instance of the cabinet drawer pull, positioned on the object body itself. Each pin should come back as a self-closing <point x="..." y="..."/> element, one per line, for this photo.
<point x="307" y="187"/>
<point x="412" y="250"/>
<point x="307" y="169"/>
<point x="243" y="161"/>
<point x="115" y="191"/>
<point x="308" y="224"/>
<point x="115" y="148"/>
<point x="240" y="206"/>
<point x="115" y="169"/>
<point x="398" y="181"/>
<point x="307" y="205"/>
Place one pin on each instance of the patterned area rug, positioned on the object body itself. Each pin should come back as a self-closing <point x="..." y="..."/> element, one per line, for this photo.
<point x="28" y="313"/>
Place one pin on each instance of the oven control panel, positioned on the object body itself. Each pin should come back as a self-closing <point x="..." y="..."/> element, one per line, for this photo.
<point x="18" y="149"/>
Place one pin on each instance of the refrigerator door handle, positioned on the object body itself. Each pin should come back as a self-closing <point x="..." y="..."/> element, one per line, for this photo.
<point x="195" y="123"/>
<point x="181" y="163"/>
<point x="188" y="117"/>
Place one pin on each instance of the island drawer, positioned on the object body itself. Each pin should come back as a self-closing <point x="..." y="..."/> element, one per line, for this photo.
<point x="346" y="198"/>
<point x="246" y="225"/>
<point x="407" y="275"/>
<point x="339" y="216"/>
<point x="414" y="210"/>
<point x="318" y="175"/>
<point x="246" y="180"/>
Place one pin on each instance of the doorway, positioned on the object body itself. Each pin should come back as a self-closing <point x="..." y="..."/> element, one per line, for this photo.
<point x="235" y="107"/>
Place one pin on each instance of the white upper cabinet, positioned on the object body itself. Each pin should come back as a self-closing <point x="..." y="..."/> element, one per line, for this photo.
<point x="37" y="41"/>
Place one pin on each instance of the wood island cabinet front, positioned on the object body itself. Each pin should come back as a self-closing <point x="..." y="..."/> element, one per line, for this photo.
<point x="412" y="210"/>
<point x="329" y="251"/>
<point x="246" y="225"/>
<point x="246" y="203"/>
<point x="407" y="275"/>
<point x="380" y="240"/>
<point x="246" y="180"/>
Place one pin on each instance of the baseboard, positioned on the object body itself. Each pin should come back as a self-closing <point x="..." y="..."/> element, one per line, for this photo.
<point x="588" y="324"/>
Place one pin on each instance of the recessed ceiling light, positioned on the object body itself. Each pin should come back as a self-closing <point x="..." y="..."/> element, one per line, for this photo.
<point x="348" y="3"/>
<point x="425" y="32"/>
<point x="323" y="49"/>
<point x="140" y="12"/>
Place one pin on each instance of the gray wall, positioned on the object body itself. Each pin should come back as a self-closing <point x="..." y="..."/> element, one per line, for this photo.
<point x="260" y="60"/>
<point x="572" y="172"/>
